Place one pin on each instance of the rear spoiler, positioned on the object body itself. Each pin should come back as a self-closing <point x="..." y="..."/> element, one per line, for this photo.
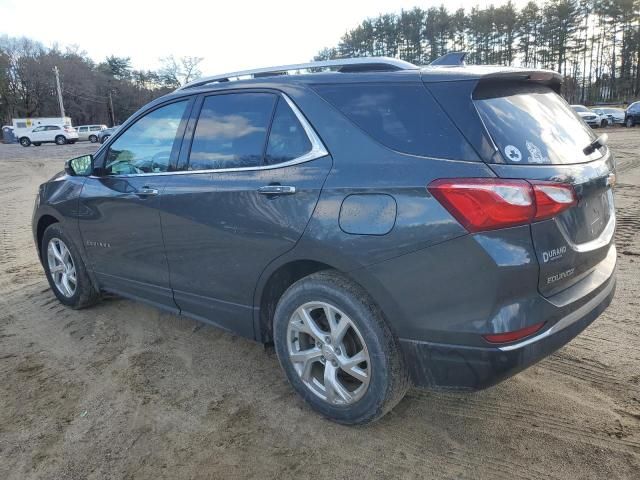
<point x="547" y="78"/>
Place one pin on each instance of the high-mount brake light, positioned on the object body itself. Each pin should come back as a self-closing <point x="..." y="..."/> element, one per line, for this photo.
<point x="482" y="204"/>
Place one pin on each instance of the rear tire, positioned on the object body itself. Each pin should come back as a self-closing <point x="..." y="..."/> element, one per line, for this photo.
<point x="318" y="364"/>
<point x="75" y="290"/>
<point x="25" y="142"/>
<point x="93" y="138"/>
<point x="604" y="123"/>
<point x="61" y="140"/>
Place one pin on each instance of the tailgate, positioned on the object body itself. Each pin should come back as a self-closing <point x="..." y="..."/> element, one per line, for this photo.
<point x="570" y="245"/>
<point x="539" y="137"/>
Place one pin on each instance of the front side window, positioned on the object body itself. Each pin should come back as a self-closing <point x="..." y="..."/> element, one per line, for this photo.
<point x="231" y="131"/>
<point x="95" y="128"/>
<point x="53" y="127"/>
<point x="287" y="138"/>
<point x="147" y="145"/>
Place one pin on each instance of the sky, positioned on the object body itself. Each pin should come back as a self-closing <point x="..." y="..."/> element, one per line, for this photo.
<point x="230" y="34"/>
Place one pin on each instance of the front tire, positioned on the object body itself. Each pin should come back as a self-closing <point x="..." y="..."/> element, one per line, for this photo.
<point x="629" y="122"/>
<point x="36" y="144"/>
<point x="25" y="142"/>
<point x="65" y="269"/>
<point x="61" y="140"/>
<point x="337" y="351"/>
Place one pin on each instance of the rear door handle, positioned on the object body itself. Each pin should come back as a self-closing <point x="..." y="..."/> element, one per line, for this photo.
<point x="277" y="190"/>
<point x="147" y="192"/>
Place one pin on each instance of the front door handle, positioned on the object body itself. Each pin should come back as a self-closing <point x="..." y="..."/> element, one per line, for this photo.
<point x="147" y="192"/>
<point x="277" y="190"/>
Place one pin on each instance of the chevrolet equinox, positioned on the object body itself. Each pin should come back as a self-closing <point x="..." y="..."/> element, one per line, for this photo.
<point x="381" y="224"/>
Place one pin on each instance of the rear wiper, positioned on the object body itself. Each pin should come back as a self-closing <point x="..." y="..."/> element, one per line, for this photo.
<point x="599" y="142"/>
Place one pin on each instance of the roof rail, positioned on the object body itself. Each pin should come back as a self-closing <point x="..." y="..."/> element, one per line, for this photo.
<point x="450" y="59"/>
<point x="361" y="64"/>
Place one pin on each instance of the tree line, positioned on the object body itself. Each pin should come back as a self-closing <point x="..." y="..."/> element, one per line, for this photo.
<point x="593" y="44"/>
<point x="105" y="93"/>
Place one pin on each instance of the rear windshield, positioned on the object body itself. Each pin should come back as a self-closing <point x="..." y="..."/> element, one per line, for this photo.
<point x="403" y="117"/>
<point x="533" y="125"/>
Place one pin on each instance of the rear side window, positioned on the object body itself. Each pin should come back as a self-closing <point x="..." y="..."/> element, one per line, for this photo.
<point x="287" y="138"/>
<point x="533" y="125"/>
<point x="231" y="131"/>
<point x="405" y="118"/>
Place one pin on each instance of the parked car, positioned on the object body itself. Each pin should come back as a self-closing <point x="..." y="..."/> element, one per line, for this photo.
<point x="383" y="225"/>
<point x="90" y="132"/>
<point x="106" y="133"/>
<point x="57" y="134"/>
<point x="615" y="116"/>
<point x="632" y="115"/>
<point x="590" y="117"/>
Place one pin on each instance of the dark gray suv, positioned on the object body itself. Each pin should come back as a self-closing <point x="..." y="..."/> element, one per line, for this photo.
<point x="383" y="225"/>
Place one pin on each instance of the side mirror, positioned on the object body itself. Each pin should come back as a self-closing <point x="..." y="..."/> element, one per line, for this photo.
<point x="79" y="166"/>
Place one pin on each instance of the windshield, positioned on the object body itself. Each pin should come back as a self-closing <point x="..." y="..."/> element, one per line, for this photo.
<point x="532" y="124"/>
<point x="579" y="108"/>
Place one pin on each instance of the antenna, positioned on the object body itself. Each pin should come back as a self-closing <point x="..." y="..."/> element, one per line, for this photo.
<point x="450" y="59"/>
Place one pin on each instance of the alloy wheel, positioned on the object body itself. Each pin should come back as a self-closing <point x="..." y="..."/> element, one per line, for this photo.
<point x="328" y="353"/>
<point x="61" y="267"/>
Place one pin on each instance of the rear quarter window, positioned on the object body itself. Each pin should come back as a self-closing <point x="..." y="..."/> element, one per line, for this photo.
<point x="403" y="117"/>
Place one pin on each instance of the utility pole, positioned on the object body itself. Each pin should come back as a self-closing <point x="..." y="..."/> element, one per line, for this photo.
<point x="113" y="115"/>
<point x="62" y="115"/>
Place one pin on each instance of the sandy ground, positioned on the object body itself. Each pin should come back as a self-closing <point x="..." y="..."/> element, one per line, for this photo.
<point x="125" y="391"/>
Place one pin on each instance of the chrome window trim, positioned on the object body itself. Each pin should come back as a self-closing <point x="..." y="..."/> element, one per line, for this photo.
<point x="318" y="150"/>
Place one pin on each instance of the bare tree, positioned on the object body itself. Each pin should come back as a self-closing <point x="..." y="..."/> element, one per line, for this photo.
<point x="176" y="72"/>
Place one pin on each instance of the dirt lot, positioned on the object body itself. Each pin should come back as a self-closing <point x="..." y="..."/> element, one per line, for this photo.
<point x="125" y="391"/>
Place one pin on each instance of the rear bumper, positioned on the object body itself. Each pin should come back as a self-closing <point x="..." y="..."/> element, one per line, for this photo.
<point x="455" y="367"/>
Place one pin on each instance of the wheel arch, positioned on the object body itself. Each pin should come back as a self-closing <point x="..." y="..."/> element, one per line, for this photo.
<point x="44" y="222"/>
<point x="271" y="289"/>
<point x="278" y="278"/>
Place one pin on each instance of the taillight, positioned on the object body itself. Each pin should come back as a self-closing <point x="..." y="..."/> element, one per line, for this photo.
<point x="513" y="336"/>
<point x="481" y="204"/>
<point x="552" y="198"/>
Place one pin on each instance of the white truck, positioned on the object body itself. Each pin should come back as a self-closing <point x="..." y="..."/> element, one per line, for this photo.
<point x="40" y="130"/>
<point x="23" y="125"/>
